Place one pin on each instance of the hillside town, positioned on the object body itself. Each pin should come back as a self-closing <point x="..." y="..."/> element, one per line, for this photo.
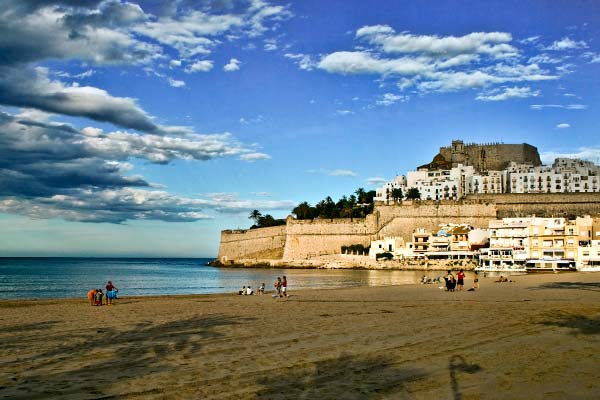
<point x="461" y="169"/>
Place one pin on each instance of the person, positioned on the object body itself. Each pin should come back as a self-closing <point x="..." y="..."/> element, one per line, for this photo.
<point x="284" y="287"/>
<point x="501" y="279"/>
<point x="261" y="289"/>
<point x="277" y="285"/>
<point x="111" y="293"/>
<point x="98" y="297"/>
<point x="243" y="291"/>
<point x="449" y="281"/>
<point x="249" y="291"/>
<point x="460" y="280"/>
<point x="475" y="285"/>
<point x="91" y="295"/>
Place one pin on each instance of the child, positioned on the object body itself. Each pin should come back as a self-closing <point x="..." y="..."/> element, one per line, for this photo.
<point x="98" y="297"/>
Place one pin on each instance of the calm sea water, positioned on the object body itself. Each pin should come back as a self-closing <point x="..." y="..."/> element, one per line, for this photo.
<point x="37" y="278"/>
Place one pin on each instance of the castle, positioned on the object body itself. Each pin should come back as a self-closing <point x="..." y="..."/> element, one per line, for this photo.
<point x="483" y="157"/>
<point x="464" y="184"/>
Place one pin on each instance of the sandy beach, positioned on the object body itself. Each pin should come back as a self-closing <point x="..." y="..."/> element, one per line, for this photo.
<point x="536" y="338"/>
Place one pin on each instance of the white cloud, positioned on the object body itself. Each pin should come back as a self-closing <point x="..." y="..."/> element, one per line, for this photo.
<point x="563" y="126"/>
<point x="584" y="153"/>
<point x="564" y="106"/>
<point x="254" y="120"/>
<point x="342" y="172"/>
<point x="544" y="59"/>
<point x="389" y="98"/>
<point x="492" y="43"/>
<point x="270" y="45"/>
<point x="200" y="66"/>
<point x="176" y="83"/>
<point x="175" y="63"/>
<point x="344" y="112"/>
<point x="592" y="57"/>
<point x="255" y="156"/>
<point x="530" y="40"/>
<point x="376" y="181"/>
<point x="304" y="61"/>
<point x="232" y="65"/>
<point x="508" y="93"/>
<point x="567" y="44"/>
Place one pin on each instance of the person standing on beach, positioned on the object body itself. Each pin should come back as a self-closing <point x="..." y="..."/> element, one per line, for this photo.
<point x="284" y="287"/>
<point x="460" y="280"/>
<point x="277" y="285"/>
<point x="110" y="292"/>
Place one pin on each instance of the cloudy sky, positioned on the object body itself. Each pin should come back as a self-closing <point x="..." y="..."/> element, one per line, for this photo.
<point x="145" y="128"/>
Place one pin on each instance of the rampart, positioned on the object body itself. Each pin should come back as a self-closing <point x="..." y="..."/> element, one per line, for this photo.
<point x="262" y="243"/>
<point x="310" y="238"/>
<point x="305" y="239"/>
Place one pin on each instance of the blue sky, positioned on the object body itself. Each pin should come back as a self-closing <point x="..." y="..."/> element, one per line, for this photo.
<point x="145" y="128"/>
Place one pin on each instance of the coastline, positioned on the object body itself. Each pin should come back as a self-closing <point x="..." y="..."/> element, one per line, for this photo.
<point x="533" y="338"/>
<point x="343" y="261"/>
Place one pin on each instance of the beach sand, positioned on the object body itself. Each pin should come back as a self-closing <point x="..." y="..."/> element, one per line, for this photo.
<point x="537" y="338"/>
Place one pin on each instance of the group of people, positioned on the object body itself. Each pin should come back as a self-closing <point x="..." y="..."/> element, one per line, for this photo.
<point x="458" y="283"/>
<point x="280" y="288"/>
<point x="96" y="296"/>
<point x="247" y="291"/>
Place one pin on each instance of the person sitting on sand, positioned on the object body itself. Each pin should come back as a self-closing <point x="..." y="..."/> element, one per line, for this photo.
<point x="243" y="291"/>
<point x="249" y="291"/>
<point x="475" y="285"/>
<point x="502" y="279"/>
<point x="261" y="289"/>
<point x="91" y="295"/>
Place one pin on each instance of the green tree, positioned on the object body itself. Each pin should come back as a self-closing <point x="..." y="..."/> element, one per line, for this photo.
<point x="397" y="194"/>
<point x="413" y="194"/>
<point x="256" y="216"/>
<point x="303" y="211"/>
<point x="360" y="194"/>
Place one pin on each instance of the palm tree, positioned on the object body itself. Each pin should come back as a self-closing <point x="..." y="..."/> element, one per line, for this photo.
<point x="256" y="216"/>
<point x="360" y="193"/>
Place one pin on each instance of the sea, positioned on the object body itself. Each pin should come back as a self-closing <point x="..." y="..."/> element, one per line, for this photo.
<point x="47" y="278"/>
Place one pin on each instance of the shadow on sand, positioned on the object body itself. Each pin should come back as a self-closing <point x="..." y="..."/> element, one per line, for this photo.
<point x="458" y="365"/>
<point x="594" y="286"/>
<point x="346" y="377"/>
<point x="104" y="356"/>
<point x="580" y="324"/>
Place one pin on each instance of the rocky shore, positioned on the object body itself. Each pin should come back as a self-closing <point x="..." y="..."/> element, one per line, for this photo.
<point x="343" y="261"/>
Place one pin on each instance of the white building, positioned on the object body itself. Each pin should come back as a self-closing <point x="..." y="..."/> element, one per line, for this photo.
<point x="384" y="193"/>
<point x="565" y="175"/>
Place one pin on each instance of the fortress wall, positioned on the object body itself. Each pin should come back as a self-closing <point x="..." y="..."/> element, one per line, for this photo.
<point x="302" y="239"/>
<point x="568" y="205"/>
<point x="404" y="220"/>
<point x="252" y="243"/>
<point x="311" y="238"/>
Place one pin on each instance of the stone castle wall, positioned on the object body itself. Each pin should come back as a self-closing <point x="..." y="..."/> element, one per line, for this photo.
<point x="569" y="205"/>
<point x="303" y="239"/>
<point x="491" y="156"/>
<point x="403" y="220"/>
<point x="267" y="243"/>
<point x="306" y="239"/>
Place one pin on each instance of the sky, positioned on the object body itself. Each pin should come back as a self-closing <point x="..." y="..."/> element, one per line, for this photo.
<point x="145" y="128"/>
